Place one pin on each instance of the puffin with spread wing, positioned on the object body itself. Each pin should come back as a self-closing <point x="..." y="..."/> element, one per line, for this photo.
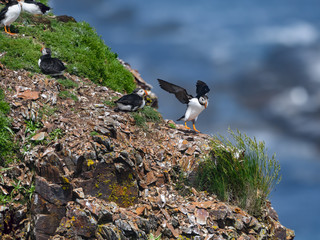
<point x="195" y="104"/>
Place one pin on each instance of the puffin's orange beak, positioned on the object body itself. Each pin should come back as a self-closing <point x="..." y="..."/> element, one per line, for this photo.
<point x="41" y="49"/>
<point x="205" y="105"/>
<point x="145" y="91"/>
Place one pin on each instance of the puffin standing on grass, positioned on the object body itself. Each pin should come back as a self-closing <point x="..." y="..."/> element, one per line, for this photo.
<point x="36" y="8"/>
<point x="195" y="104"/>
<point x="131" y="102"/>
<point x="49" y="65"/>
<point x="9" y="14"/>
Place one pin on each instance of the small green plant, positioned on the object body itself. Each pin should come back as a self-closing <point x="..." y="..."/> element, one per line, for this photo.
<point x="67" y="94"/>
<point x="239" y="173"/>
<point x="94" y="133"/>
<point x="139" y="120"/>
<point x="109" y="103"/>
<point x="171" y="125"/>
<point x="150" y="114"/>
<point x="152" y="237"/>
<point x="17" y="192"/>
<point x="32" y="127"/>
<point x="67" y="83"/>
<point x="56" y="134"/>
<point x="144" y="115"/>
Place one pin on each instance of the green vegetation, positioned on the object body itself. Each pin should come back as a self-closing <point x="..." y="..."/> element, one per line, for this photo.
<point x="56" y="134"/>
<point x="76" y="44"/>
<point x="171" y="125"/>
<point x="17" y="192"/>
<point x="110" y="102"/>
<point x="152" y="237"/>
<point x="32" y="127"/>
<point x="94" y="133"/>
<point x="6" y="142"/>
<point x="67" y="83"/>
<point x="240" y="173"/>
<point x="67" y="94"/>
<point x="144" y="115"/>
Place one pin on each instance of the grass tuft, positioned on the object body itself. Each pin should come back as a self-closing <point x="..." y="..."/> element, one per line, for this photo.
<point x="144" y="115"/>
<point x="67" y="94"/>
<point x="240" y="173"/>
<point x="67" y="83"/>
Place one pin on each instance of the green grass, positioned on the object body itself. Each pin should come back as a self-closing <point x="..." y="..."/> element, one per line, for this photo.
<point x="67" y="83"/>
<point x="76" y="44"/>
<point x="171" y="125"/>
<point x="152" y="237"/>
<point x="56" y="134"/>
<point x="111" y="102"/>
<point x="67" y="94"/>
<point x="240" y="173"/>
<point x="17" y="192"/>
<point x="144" y="115"/>
<point x="6" y="142"/>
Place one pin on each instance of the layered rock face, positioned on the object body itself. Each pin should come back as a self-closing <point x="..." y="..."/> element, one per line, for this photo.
<point x="99" y="176"/>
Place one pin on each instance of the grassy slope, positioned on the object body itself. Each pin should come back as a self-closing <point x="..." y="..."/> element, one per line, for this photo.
<point x="77" y="44"/>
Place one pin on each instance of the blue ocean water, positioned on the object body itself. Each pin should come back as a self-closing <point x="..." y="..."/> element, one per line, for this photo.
<point x="261" y="60"/>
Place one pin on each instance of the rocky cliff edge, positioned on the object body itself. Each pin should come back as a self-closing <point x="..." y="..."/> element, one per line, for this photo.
<point x="97" y="175"/>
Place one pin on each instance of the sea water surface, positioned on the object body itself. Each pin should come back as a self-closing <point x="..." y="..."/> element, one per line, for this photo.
<point x="261" y="60"/>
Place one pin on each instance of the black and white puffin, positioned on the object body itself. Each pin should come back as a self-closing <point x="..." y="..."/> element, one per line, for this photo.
<point x="9" y="14"/>
<point x="195" y="104"/>
<point x="33" y="7"/>
<point x="131" y="102"/>
<point x="49" y="65"/>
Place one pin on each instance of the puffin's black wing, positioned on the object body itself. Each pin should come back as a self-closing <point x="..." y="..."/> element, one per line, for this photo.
<point x="3" y="11"/>
<point x="202" y="88"/>
<point x="42" y="7"/>
<point x="181" y="93"/>
<point x="130" y="99"/>
<point x="51" y="65"/>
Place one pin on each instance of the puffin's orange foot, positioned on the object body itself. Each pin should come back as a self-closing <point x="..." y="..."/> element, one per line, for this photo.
<point x="185" y="124"/>
<point x="8" y="31"/>
<point x="194" y="128"/>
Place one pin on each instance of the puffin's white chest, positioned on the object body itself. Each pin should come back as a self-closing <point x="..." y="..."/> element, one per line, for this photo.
<point x="193" y="110"/>
<point x="12" y="14"/>
<point x="31" y="8"/>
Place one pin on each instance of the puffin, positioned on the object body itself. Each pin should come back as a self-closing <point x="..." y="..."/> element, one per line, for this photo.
<point x="36" y="8"/>
<point x="49" y="65"/>
<point x="195" y="105"/>
<point x="131" y="102"/>
<point x="9" y="14"/>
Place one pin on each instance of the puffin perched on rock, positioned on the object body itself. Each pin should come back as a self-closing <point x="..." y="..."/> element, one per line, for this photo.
<point x="131" y="102"/>
<point x="9" y="14"/>
<point x="49" y="65"/>
<point x="195" y="104"/>
<point x="33" y="7"/>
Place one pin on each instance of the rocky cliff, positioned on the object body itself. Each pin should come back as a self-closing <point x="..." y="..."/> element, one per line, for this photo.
<point x="97" y="175"/>
<point x="83" y="171"/>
